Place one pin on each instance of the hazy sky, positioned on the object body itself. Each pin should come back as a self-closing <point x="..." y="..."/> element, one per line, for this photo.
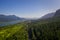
<point x="28" y="8"/>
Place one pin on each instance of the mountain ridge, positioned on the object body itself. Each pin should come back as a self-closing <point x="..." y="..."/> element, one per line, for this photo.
<point x="4" y="18"/>
<point x="51" y="15"/>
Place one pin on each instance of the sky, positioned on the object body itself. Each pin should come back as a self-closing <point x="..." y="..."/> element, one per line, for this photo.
<point x="28" y="8"/>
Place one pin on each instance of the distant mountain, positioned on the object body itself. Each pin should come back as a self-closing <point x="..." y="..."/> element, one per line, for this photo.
<point x="57" y="13"/>
<point x="4" y="18"/>
<point x="50" y="15"/>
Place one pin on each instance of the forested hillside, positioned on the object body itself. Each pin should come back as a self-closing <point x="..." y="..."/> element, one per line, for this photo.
<point x="44" y="31"/>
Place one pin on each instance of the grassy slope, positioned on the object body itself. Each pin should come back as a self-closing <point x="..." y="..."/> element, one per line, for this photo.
<point x="7" y="33"/>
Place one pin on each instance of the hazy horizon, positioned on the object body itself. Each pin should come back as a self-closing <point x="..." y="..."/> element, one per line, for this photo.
<point x="28" y="8"/>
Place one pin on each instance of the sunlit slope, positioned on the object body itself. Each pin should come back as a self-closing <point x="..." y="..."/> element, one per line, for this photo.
<point x="13" y="32"/>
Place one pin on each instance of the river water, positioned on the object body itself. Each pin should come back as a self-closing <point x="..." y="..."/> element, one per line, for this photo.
<point x="9" y="23"/>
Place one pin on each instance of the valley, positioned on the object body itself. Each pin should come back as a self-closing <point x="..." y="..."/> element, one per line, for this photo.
<point x="40" y="29"/>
